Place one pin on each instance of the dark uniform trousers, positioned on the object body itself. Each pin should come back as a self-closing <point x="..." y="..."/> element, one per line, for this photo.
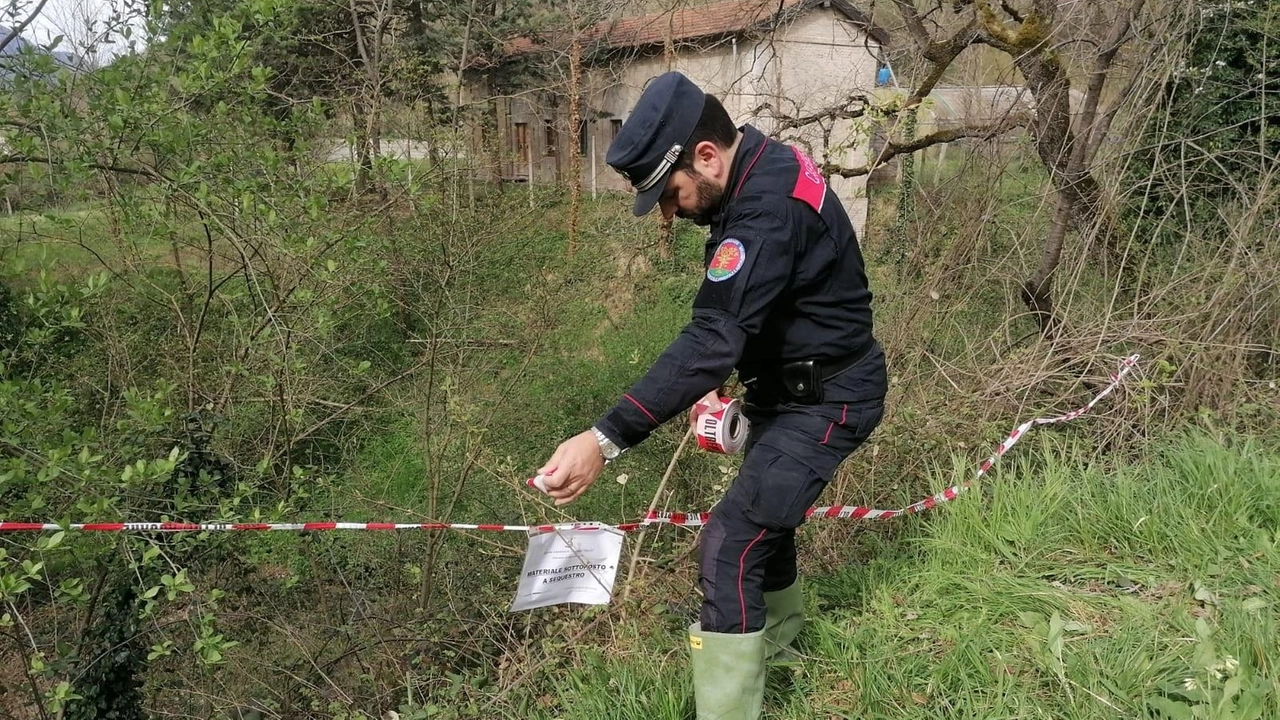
<point x="748" y="547"/>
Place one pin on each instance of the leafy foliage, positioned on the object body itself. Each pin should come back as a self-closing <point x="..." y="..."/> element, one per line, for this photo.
<point x="1217" y="132"/>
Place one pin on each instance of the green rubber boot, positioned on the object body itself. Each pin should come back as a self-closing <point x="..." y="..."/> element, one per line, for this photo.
<point x="784" y="616"/>
<point x="728" y="674"/>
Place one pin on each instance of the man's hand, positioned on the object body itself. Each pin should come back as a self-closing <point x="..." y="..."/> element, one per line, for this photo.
<point x="574" y="466"/>
<point x="709" y="403"/>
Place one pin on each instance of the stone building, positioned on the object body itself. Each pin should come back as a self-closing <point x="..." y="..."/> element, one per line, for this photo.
<point x="767" y="60"/>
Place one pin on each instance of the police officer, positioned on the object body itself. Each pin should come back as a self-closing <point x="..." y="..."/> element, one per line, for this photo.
<point x="784" y="301"/>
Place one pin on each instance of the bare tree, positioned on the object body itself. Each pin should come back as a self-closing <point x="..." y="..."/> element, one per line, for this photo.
<point x="580" y="31"/>
<point x="1051" y="44"/>
<point x="88" y="29"/>
<point x="370" y="19"/>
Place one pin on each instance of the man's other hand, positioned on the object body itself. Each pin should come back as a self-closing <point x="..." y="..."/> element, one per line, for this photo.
<point x="573" y="467"/>
<point x="709" y="403"/>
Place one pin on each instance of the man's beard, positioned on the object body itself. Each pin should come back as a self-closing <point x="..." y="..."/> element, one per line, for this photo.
<point x="709" y="197"/>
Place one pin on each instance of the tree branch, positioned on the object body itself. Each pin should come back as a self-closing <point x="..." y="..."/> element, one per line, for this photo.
<point x="365" y="396"/>
<point x="1116" y="36"/>
<point x="839" y="111"/>
<point x="893" y="149"/>
<point x="1012" y="11"/>
<point x="146" y="172"/>
<point x="915" y="25"/>
<point x="1103" y="126"/>
<point x="16" y="31"/>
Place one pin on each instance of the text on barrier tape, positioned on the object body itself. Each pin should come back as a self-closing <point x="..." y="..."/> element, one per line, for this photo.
<point x="723" y="431"/>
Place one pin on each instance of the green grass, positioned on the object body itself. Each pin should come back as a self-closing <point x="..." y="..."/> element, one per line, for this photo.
<point x="50" y="239"/>
<point x="1064" y="592"/>
<point x="590" y="345"/>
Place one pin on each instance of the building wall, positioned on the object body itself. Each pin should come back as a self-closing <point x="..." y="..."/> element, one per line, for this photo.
<point x="813" y="63"/>
<point x="821" y="60"/>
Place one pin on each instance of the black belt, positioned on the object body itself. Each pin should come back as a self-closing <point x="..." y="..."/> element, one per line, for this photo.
<point x="833" y="367"/>
<point x="801" y="381"/>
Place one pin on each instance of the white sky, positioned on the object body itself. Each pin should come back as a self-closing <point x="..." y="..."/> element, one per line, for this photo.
<point x="71" y="19"/>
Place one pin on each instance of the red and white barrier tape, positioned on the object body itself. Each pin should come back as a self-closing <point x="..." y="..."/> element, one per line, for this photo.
<point x="297" y="527"/>
<point x="858" y="512"/>
<point x="670" y="518"/>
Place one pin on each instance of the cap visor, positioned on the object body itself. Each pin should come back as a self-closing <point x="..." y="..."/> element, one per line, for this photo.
<point x="647" y="199"/>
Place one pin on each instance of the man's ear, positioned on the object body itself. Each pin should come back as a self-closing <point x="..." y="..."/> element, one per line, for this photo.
<point x="711" y="157"/>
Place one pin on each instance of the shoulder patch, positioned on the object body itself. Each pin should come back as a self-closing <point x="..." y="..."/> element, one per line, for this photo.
<point x="728" y="259"/>
<point x="810" y="187"/>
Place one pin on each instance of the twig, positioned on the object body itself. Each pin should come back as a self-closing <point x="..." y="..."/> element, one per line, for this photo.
<point x="535" y="667"/>
<point x="26" y="661"/>
<point x="354" y="403"/>
<point x="14" y="32"/>
<point x="893" y="148"/>
<point x="635" y="554"/>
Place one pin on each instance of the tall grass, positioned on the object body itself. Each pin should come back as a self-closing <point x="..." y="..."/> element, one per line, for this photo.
<point x="1057" y="589"/>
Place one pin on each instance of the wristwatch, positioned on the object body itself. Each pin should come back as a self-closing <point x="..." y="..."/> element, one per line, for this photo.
<point x="608" y="449"/>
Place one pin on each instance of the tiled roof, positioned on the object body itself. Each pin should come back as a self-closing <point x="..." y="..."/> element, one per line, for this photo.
<point x="692" y="23"/>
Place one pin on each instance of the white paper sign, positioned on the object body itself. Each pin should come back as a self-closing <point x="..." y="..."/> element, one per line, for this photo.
<point x="569" y="566"/>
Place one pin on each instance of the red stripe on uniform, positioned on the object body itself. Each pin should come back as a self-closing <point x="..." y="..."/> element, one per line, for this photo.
<point x="742" y="560"/>
<point x="642" y="409"/>
<point x="749" y="166"/>
<point x="844" y="415"/>
<point x="810" y="186"/>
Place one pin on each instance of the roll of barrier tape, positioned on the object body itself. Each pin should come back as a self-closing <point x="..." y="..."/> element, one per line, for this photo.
<point x="724" y="431"/>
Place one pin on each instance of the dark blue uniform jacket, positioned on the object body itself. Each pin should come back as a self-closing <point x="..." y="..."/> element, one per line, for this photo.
<point x="784" y="281"/>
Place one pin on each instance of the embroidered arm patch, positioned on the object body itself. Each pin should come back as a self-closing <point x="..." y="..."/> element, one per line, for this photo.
<point x="750" y="268"/>
<point x="728" y="259"/>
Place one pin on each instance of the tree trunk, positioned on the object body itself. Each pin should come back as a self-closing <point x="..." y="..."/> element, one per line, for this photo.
<point x="575" y="159"/>
<point x="907" y="189"/>
<point x="1037" y="291"/>
<point x="364" y="161"/>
